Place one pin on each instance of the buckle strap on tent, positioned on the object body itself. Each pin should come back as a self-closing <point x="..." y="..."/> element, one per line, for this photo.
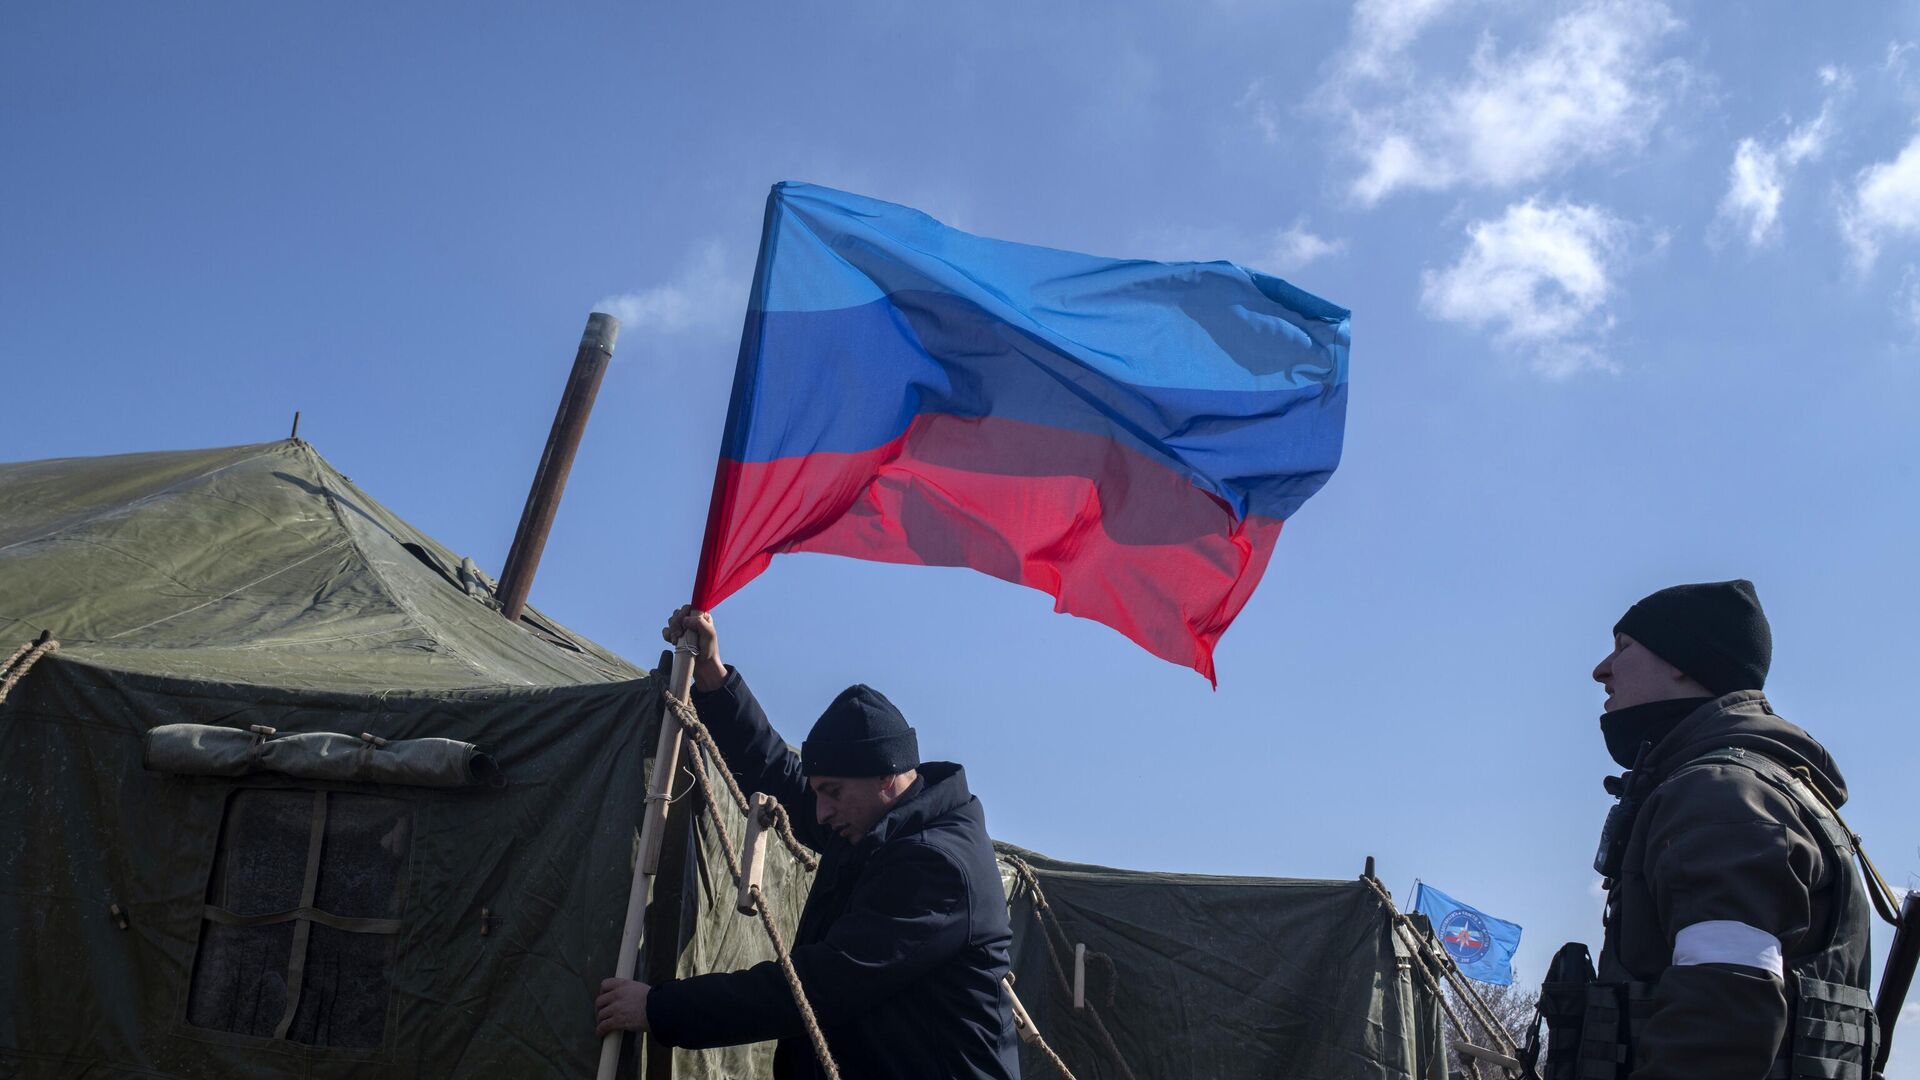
<point x="338" y="922"/>
<point x="303" y="928"/>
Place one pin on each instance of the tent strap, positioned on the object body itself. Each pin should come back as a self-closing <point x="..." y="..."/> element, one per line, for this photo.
<point x="303" y="928"/>
<point x="312" y="914"/>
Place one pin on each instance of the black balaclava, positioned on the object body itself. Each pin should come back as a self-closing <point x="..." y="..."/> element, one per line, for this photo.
<point x="860" y="734"/>
<point x="1626" y="729"/>
<point x="1715" y="632"/>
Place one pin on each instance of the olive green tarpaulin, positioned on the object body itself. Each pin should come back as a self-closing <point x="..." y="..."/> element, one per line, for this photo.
<point x="1199" y="977"/>
<point x="257" y="586"/>
<point x="159" y="924"/>
<point x="257" y="565"/>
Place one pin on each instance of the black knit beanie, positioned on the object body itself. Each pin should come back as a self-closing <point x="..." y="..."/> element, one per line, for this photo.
<point x="1714" y="632"/>
<point x="860" y="734"/>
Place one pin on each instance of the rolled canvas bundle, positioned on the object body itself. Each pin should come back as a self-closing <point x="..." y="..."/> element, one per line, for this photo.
<point x="209" y="750"/>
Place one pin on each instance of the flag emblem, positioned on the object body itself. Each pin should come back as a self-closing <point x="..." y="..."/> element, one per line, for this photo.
<point x="1465" y="936"/>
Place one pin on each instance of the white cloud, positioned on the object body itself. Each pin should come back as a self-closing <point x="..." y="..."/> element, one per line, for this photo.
<point x="1295" y="247"/>
<point x="1392" y="162"/>
<point x="1909" y="299"/>
<point x="1884" y="205"/>
<point x="1808" y="141"/>
<point x="1280" y="251"/>
<point x="1382" y="29"/>
<point x="1757" y="182"/>
<point x="1265" y="114"/>
<point x="1754" y="190"/>
<point x="1591" y="87"/>
<point x="706" y="296"/>
<point x="1901" y="1064"/>
<point x="1541" y="274"/>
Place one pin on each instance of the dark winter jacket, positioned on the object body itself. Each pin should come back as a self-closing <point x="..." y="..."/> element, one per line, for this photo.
<point x="1725" y="885"/>
<point x="902" y="943"/>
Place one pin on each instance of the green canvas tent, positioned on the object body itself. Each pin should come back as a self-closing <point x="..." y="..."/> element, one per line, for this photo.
<point x="205" y="871"/>
<point x="1224" y="978"/>
<point x="439" y="930"/>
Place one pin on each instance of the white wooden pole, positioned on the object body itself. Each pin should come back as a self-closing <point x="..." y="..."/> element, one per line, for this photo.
<point x="653" y="829"/>
<point x="1080" y="975"/>
<point x="753" y="854"/>
<point x="1022" y="1023"/>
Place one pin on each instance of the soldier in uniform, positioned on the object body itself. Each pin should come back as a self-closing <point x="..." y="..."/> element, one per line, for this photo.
<point x="1736" y="930"/>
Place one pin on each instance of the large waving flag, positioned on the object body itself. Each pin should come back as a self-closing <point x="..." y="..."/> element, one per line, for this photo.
<point x="1481" y="945"/>
<point x="1125" y="435"/>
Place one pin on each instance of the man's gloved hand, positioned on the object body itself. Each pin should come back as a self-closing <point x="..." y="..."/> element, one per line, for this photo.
<point x="708" y="671"/>
<point x="623" y="1006"/>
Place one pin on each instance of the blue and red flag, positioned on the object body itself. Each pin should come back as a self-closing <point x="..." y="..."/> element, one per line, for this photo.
<point x="1481" y="945"/>
<point x="1125" y="435"/>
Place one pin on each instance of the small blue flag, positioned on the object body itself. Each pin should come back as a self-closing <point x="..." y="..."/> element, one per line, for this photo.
<point x="1480" y="944"/>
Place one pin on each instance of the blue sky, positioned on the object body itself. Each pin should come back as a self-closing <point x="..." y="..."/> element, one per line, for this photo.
<point x="1636" y="294"/>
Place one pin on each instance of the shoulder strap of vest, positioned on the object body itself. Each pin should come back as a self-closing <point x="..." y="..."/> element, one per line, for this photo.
<point x="1813" y="806"/>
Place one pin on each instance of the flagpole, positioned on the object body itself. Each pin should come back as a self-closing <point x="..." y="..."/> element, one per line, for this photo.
<point x="666" y="754"/>
<point x="653" y="830"/>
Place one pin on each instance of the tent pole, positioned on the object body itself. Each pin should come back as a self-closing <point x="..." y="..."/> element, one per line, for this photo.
<point x="550" y="479"/>
<point x="653" y="829"/>
<point x="661" y="925"/>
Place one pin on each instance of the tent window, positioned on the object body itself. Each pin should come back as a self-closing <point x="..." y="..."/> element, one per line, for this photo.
<point x="301" y="916"/>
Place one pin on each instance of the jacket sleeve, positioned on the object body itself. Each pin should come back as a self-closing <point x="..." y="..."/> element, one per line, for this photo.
<point x="913" y="918"/>
<point x="1733" y="871"/>
<point x="757" y="755"/>
<point x="725" y="1008"/>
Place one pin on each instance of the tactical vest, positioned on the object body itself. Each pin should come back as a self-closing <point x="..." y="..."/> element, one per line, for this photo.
<point x="1592" y="1024"/>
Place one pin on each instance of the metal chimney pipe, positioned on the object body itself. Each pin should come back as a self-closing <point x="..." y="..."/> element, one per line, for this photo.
<point x="550" y="479"/>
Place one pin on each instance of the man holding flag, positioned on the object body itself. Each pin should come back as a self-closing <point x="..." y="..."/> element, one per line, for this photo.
<point x="904" y="938"/>
<point x="1127" y="436"/>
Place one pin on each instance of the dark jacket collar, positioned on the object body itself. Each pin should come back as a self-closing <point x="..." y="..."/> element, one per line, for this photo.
<point x="1744" y="719"/>
<point x="943" y="789"/>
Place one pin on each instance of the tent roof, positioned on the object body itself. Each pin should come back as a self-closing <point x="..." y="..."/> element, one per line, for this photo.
<point x="258" y="565"/>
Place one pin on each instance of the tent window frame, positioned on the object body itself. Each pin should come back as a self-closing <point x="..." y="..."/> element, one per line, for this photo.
<point x="304" y="916"/>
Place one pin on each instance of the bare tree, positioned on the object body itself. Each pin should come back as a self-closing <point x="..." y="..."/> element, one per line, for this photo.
<point x="1512" y="1006"/>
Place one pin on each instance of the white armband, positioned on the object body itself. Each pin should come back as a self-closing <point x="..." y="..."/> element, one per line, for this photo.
<point x="1724" y="941"/>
